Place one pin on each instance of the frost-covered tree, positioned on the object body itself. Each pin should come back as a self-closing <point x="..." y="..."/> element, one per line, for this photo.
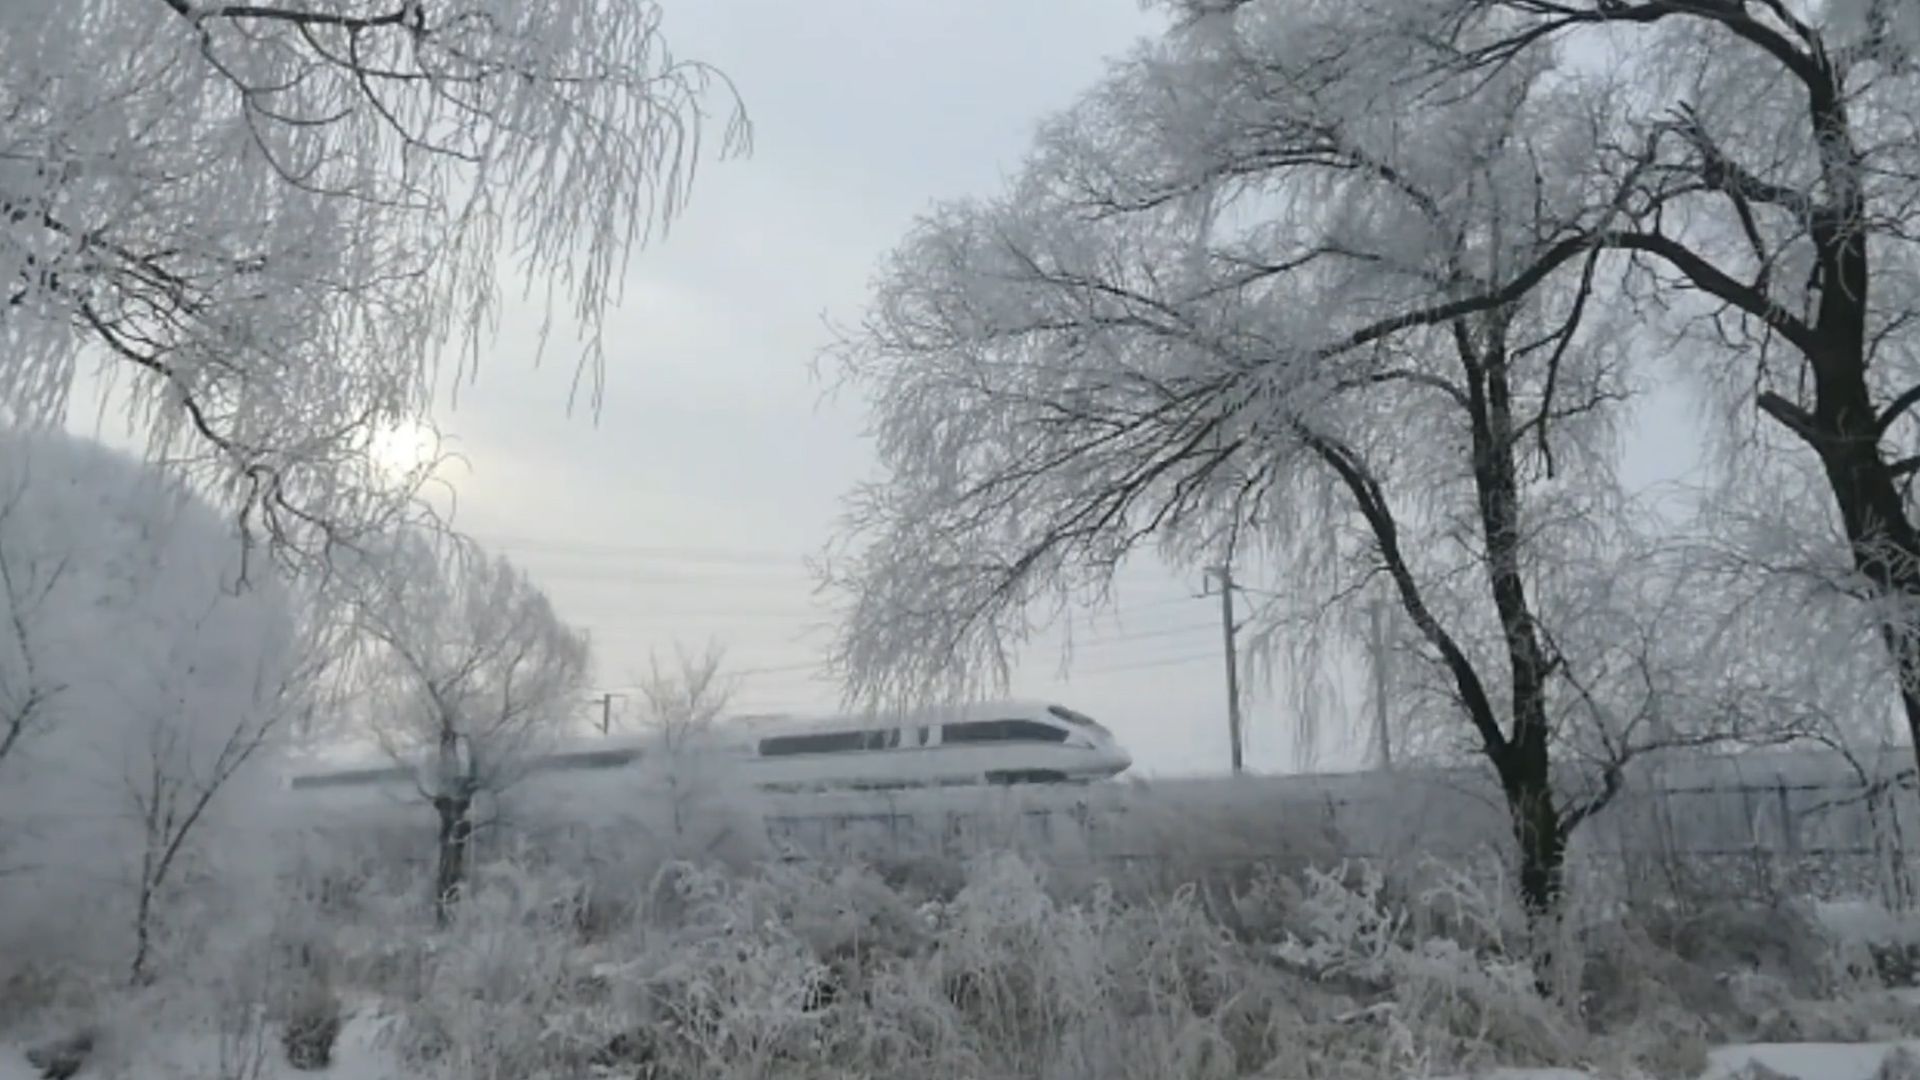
<point x="272" y="220"/>
<point x="474" y="675"/>
<point x="144" y="694"/>
<point x="27" y="580"/>
<point x="685" y="767"/>
<point x="1799" y="640"/>
<point x="223" y="694"/>
<point x="1744" y="174"/>
<point x="1186" y="324"/>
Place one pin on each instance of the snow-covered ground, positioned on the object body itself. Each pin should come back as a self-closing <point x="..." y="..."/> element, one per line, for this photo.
<point x="1794" y="1061"/>
<point x="359" y="1054"/>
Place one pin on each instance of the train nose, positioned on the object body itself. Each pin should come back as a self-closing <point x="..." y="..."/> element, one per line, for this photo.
<point x="1119" y="759"/>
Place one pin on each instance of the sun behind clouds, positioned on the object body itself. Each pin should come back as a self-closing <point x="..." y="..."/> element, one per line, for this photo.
<point x="404" y="447"/>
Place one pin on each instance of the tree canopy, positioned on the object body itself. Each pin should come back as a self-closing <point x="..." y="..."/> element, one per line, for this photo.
<point x="1362" y="290"/>
<point x="272" y="221"/>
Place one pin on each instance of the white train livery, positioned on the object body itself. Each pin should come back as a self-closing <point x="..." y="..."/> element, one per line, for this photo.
<point x="996" y="743"/>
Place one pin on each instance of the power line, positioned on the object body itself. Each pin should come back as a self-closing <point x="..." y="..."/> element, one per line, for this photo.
<point x="649" y="612"/>
<point x="609" y="576"/>
<point x="717" y="556"/>
<point x="1144" y="635"/>
<point x="1175" y="661"/>
<point x="712" y="555"/>
<point x="1100" y="649"/>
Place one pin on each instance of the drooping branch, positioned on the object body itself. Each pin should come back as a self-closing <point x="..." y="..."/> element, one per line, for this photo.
<point x="1372" y="504"/>
<point x="411" y="14"/>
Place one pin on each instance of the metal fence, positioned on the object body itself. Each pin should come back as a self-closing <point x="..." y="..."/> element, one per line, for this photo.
<point x="1757" y="824"/>
<point x="1808" y="825"/>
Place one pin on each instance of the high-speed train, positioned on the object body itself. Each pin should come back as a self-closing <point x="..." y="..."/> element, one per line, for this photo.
<point x="995" y="743"/>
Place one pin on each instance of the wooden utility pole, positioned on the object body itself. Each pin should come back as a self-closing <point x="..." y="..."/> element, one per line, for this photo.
<point x="1225" y="574"/>
<point x="1376" y="611"/>
<point x="606" y="712"/>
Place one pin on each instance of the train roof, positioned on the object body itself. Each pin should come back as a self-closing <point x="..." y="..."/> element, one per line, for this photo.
<point x="882" y="719"/>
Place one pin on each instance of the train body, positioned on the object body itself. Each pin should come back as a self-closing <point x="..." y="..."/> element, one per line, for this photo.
<point x="857" y="784"/>
<point x="995" y="743"/>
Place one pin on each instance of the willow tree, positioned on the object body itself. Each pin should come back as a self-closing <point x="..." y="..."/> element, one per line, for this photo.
<point x="1184" y="326"/>
<point x="471" y="673"/>
<point x="273" y="221"/>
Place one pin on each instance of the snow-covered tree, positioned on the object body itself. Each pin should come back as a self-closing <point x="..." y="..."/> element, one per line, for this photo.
<point x="475" y="674"/>
<point x="1799" y="640"/>
<point x="222" y="695"/>
<point x="27" y="639"/>
<point x="1743" y="174"/>
<point x="686" y="768"/>
<point x="1235" y="308"/>
<point x="272" y="220"/>
<point x="144" y="692"/>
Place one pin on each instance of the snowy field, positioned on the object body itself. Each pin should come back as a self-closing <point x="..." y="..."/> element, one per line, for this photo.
<point x="361" y="1057"/>
<point x="564" y="965"/>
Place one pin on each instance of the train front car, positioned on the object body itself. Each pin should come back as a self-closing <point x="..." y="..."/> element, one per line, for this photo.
<point x="1042" y="743"/>
<point x="1101" y="755"/>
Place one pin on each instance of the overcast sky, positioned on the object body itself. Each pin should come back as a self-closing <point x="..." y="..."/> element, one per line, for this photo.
<point x="717" y="464"/>
<point x="715" y="467"/>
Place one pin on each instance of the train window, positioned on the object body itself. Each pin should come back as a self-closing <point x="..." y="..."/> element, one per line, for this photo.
<point x="591" y="759"/>
<point x="989" y="731"/>
<point x="1072" y="716"/>
<point x="353" y="777"/>
<point x="833" y="742"/>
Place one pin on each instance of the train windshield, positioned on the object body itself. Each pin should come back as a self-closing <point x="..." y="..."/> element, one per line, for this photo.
<point x="1073" y="717"/>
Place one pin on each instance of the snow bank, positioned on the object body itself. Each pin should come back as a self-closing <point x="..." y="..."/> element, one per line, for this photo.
<point x="1805" y="1061"/>
<point x="1861" y="922"/>
<point x="1795" y="1061"/>
<point x="360" y="1054"/>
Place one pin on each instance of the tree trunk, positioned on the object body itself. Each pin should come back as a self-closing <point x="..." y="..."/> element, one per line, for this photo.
<point x="1886" y="548"/>
<point x="143" y="933"/>
<point x="456" y="838"/>
<point x="1524" y="762"/>
<point x="1537" y="832"/>
<point x="1844" y="427"/>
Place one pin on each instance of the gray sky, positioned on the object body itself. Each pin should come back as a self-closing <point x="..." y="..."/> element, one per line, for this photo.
<point x="715" y="465"/>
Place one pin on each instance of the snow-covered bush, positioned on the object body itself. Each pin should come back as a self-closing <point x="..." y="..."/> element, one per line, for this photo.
<point x="1437" y="1000"/>
<point x="823" y="969"/>
<point x="1871" y="942"/>
<point x="142" y="694"/>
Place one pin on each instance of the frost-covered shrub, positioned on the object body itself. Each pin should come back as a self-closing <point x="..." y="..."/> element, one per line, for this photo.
<point x="1629" y="978"/>
<point x="1432" y="996"/>
<point x="1780" y="940"/>
<point x="310" y="1026"/>
<point x="1899" y="1064"/>
<point x="1159" y="845"/>
<point x="818" y="969"/>
<point x="1869" y="943"/>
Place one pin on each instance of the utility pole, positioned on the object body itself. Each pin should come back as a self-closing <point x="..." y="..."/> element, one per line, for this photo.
<point x="1376" y="612"/>
<point x="1225" y="574"/>
<point x="606" y="711"/>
